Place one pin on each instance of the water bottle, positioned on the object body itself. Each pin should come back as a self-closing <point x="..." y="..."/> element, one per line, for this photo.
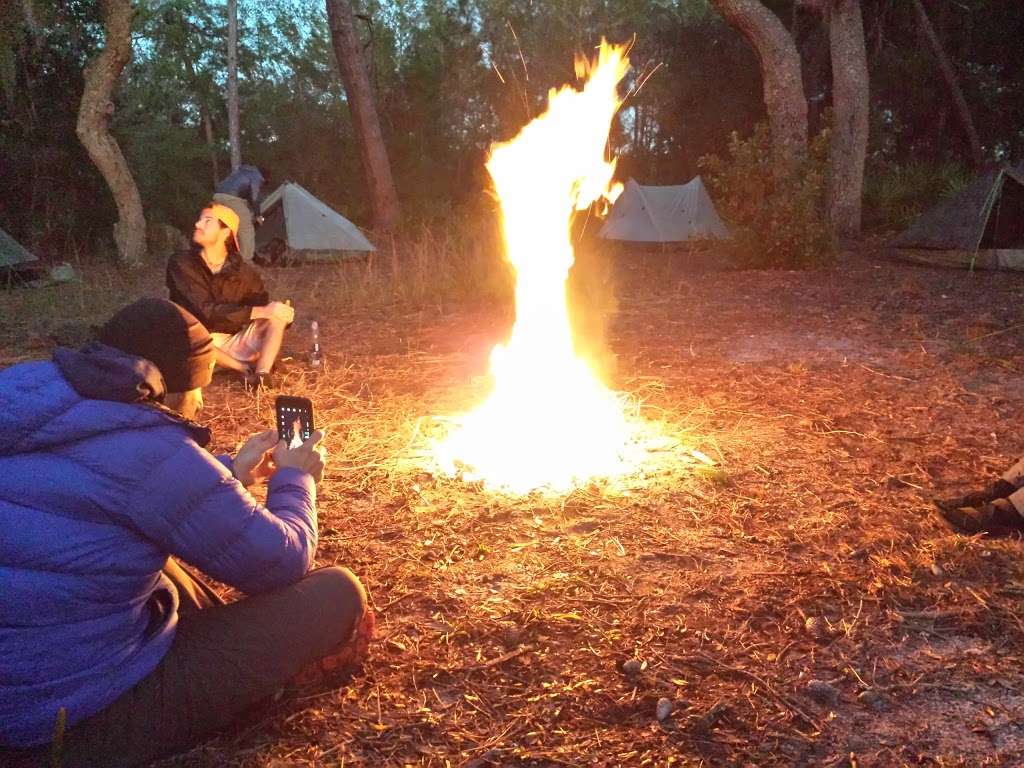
<point x="316" y="355"/>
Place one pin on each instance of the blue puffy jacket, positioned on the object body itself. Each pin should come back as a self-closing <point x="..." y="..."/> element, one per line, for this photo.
<point x="97" y="488"/>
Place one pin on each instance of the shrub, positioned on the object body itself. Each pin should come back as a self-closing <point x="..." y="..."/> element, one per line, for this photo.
<point x="775" y="223"/>
<point x="895" y="194"/>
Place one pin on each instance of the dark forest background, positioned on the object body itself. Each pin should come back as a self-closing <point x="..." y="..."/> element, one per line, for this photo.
<point x="450" y="77"/>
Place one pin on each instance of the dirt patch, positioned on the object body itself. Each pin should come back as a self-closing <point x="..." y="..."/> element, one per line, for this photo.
<point x="834" y="402"/>
<point x="784" y="347"/>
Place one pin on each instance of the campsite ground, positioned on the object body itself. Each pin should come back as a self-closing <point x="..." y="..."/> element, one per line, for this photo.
<point x="797" y="602"/>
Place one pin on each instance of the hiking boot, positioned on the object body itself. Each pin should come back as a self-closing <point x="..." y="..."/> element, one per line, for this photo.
<point x="1000" y="489"/>
<point x="996" y="519"/>
<point x="343" y="659"/>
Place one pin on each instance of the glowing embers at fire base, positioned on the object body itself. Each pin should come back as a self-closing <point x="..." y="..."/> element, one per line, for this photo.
<point x="549" y="422"/>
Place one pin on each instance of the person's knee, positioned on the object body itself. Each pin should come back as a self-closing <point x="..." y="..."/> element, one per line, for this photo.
<point x="340" y="595"/>
<point x="275" y="324"/>
<point x="267" y="328"/>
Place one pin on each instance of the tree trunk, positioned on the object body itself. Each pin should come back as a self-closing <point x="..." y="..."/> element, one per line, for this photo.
<point x="355" y="78"/>
<point x="850" y="111"/>
<point x="952" y="84"/>
<point x="780" y="71"/>
<point x="94" y="113"/>
<point x="811" y="37"/>
<point x="204" y="118"/>
<point x="35" y="28"/>
<point x="233" y="132"/>
<point x="211" y="144"/>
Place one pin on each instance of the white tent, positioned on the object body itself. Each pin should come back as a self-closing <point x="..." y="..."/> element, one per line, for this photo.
<point x="304" y="223"/>
<point x="13" y="253"/>
<point x="678" y="214"/>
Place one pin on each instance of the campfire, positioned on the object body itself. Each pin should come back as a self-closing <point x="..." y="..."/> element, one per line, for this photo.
<point x="549" y="421"/>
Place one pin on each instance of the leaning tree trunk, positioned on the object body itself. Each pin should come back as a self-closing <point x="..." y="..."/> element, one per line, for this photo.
<point x="811" y="37"/>
<point x="211" y="143"/>
<point x="204" y="118"/>
<point x="94" y="113"/>
<point x="850" y="106"/>
<point x="356" y="79"/>
<point x="35" y="27"/>
<point x="780" y="70"/>
<point x="952" y="84"/>
<point x="233" y="132"/>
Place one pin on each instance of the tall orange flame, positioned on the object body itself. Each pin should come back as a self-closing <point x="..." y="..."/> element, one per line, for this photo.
<point x="549" y="422"/>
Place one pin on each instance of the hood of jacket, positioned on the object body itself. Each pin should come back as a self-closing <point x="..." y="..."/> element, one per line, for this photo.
<point x="80" y="394"/>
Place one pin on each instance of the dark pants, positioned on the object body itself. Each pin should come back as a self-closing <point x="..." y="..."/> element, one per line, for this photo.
<point x="225" y="658"/>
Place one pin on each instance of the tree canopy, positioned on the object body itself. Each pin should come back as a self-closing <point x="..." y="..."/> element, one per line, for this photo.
<point x="450" y="77"/>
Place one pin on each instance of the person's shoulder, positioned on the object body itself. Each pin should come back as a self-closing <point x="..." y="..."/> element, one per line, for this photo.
<point x="246" y="268"/>
<point x="179" y="465"/>
<point x="162" y="433"/>
<point x="30" y="369"/>
<point x="183" y="259"/>
<point x="18" y="379"/>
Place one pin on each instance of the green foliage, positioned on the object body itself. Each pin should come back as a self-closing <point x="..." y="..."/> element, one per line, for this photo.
<point x="913" y="117"/>
<point x="450" y="78"/>
<point x="776" y="223"/>
<point x="51" y="194"/>
<point x="895" y="194"/>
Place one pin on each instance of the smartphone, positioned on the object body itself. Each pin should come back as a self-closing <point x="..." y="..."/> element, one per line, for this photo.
<point x="289" y="411"/>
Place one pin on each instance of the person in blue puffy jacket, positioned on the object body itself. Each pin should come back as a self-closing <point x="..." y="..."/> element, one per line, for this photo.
<point x="112" y="650"/>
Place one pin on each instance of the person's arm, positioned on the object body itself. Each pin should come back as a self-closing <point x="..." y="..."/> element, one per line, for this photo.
<point x="256" y="294"/>
<point x="191" y="506"/>
<point x="189" y="289"/>
<point x="255" y="184"/>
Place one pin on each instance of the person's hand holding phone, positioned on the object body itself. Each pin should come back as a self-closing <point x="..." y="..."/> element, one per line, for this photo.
<point x="253" y="462"/>
<point x="308" y="457"/>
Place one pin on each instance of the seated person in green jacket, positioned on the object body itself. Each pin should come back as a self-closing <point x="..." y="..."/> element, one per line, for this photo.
<point x="228" y="296"/>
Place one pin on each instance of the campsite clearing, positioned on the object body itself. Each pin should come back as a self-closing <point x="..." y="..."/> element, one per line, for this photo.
<point x="796" y="603"/>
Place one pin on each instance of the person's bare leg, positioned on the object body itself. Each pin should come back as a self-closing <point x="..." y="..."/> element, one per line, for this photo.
<point x="270" y="344"/>
<point x="224" y="360"/>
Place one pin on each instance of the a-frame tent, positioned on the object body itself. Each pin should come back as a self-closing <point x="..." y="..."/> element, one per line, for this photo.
<point x="980" y="227"/>
<point x="306" y="226"/>
<point x="664" y="215"/>
<point x="14" y="254"/>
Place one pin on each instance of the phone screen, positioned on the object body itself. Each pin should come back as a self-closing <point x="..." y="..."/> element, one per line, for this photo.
<point x="294" y="419"/>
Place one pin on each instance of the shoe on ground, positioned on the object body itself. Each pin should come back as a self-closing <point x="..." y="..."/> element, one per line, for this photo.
<point x="1000" y="489"/>
<point x="996" y="519"/>
<point x="342" y="660"/>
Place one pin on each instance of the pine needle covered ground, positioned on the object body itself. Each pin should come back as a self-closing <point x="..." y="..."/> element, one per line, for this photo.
<point x="794" y="602"/>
